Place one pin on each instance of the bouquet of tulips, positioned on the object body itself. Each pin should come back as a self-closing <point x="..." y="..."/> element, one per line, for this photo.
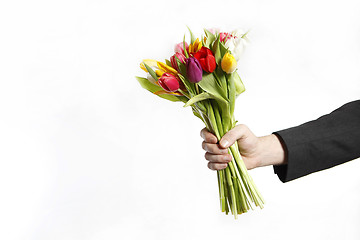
<point x="203" y="75"/>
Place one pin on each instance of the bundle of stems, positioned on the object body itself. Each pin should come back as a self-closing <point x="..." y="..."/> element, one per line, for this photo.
<point x="237" y="190"/>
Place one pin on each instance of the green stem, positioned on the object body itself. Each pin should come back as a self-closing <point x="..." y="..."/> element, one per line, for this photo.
<point x="184" y="93"/>
<point x="236" y="187"/>
<point x="247" y="180"/>
<point x="220" y="173"/>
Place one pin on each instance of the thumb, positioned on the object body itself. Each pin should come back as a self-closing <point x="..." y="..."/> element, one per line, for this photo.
<point x="233" y="135"/>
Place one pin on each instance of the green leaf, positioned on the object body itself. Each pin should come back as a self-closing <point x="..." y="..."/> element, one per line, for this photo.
<point x="151" y="72"/>
<point x="223" y="49"/>
<point x="188" y="85"/>
<point x="231" y="92"/>
<point x="210" y="85"/>
<point x="185" y="51"/>
<point x="172" y="97"/>
<point x="192" y="37"/>
<point x="220" y="76"/>
<point x="199" y="97"/>
<point x="197" y="114"/>
<point x="240" y="88"/>
<point x="145" y="83"/>
<point x="210" y="38"/>
<point x="181" y="66"/>
<point x="168" y="63"/>
<point x="216" y="50"/>
<point x="154" y="88"/>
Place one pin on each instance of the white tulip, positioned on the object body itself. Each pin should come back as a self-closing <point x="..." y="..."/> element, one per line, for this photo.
<point x="237" y="43"/>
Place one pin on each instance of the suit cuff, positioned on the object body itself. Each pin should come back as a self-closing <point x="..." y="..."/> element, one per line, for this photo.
<point x="295" y="154"/>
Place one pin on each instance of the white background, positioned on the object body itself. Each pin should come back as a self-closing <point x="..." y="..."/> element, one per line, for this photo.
<point x="86" y="153"/>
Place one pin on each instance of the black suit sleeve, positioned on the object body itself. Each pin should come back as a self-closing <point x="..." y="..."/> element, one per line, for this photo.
<point x="320" y="144"/>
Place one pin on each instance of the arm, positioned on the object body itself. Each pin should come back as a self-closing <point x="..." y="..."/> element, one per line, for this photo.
<point x="295" y="152"/>
<point x="320" y="144"/>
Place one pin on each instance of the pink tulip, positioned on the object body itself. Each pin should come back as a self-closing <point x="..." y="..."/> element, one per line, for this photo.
<point x="225" y="36"/>
<point x="169" y="82"/>
<point x="180" y="47"/>
<point x="180" y="56"/>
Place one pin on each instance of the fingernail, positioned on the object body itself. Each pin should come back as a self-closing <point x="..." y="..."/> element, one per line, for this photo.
<point x="225" y="143"/>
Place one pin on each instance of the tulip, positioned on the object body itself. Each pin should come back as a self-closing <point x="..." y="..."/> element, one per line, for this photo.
<point x="151" y="63"/>
<point x="165" y="68"/>
<point x="214" y="30"/>
<point x="173" y="61"/>
<point x="228" y="63"/>
<point x="236" y="43"/>
<point x="225" y="36"/>
<point x="169" y="82"/>
<point x="180" y="47"/>
<point x="206" y="59"/>
<point x="194" y="47"/>
<point x="193" y="70"/>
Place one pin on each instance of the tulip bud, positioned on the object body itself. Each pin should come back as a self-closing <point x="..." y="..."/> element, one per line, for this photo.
<point x="180" y="47"/>
<point x="224" y="36"/>
<point x="193" y="70"/>
<point x="173" y="61"/>
<point x="169" y="82"/>
<point x="228" y="63"/>
<point x="206" y="59"/>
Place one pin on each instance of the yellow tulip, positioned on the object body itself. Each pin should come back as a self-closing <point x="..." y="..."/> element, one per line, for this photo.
<point x="166" y="68"/>
<point x="151" y="63"/>
<point x="228" y="63"/>
<point x="159" y="72"/>
<point x="159" y="67"/>
<point x="194" y="47"/>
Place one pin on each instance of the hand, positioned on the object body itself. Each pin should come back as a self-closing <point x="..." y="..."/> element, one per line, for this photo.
<point x="255" y="151"/>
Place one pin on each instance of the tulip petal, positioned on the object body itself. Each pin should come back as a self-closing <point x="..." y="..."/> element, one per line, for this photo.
<point x="156" y="89"/>
<point x="169" y="93"/>
<point x="159" y="72"/>
<point x="193" y="70"/>
<point x="228" y="63"/>
<point x="166" y="68"/>
<point x="150" y="71"/>
<point x="149" y="62"/>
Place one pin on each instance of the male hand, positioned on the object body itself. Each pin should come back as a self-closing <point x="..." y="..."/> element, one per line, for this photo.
<point x="255" y="151"/>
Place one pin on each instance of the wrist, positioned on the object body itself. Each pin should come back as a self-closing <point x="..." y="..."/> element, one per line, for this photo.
<point x="272" y="151"/>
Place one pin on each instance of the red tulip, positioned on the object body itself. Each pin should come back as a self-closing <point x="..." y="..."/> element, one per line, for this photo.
<point x="169" y="82"/>
<point x="206" y="59"/>
<point x="180" y="56"/>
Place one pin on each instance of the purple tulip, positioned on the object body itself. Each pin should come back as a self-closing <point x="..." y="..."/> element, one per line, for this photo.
<point x="194" y="70"/>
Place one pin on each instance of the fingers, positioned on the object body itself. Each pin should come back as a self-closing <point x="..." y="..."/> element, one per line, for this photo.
<point x="213" y="148"/>
<point x="210" y="143"/>
<point x="217" y="166"/>
<point x="225" y="158"/>
<point x="217" y="162"/>
<point x="217" y="153"/>
<point x="208" y="136"/>
<point x="233" y="135"/>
